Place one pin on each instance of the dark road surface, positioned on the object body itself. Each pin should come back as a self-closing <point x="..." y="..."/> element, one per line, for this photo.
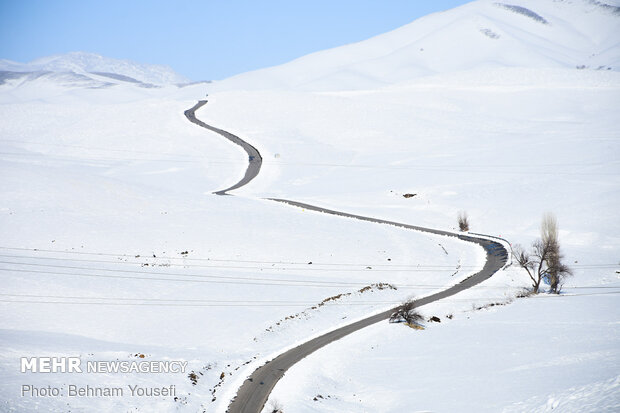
<point x="255" y="160"/>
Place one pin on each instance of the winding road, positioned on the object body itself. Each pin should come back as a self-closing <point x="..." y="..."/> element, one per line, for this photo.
<point x="255" y="160"/>
<point x="253" y="394"/>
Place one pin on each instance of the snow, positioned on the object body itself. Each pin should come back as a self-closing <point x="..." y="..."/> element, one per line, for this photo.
<point x="87" y="64"/>
<point x="578" y="33"/>
<point x="564" y="350"/>
<point x="115" y="245"/>
<point x="414" y="139"/>
<point x="141" y="185"/>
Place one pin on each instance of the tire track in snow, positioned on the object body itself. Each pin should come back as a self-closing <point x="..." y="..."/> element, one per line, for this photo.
<point x="253" y="394"/>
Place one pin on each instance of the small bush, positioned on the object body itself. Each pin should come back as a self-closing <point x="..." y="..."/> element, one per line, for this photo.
<point x="408" y="313"/>
<point x="463" y="221"/>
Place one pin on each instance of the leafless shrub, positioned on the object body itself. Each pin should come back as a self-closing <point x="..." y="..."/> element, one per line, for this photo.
<point x="407" y="312"/>
<point x="193" y="377"/>
<point x="463" y="221"/>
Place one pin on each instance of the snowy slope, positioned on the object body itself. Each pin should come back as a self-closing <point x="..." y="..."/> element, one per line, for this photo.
<point x="493" y="360"/>
<point x="115" y="245"/>
<point x="484" y="33"/>
<point x="116" y="182"/>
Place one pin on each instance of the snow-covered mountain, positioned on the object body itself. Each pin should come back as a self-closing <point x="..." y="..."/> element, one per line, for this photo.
<point x="91" y="70"/>
<point x="485" y="33"/>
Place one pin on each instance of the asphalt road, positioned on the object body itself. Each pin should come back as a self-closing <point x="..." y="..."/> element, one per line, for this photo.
<point x="253" y="394"/>
<point x="254" y="159"/>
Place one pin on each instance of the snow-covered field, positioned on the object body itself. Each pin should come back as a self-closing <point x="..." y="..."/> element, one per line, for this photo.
<point x="538" y="354"/>
<point x="114" y="244"/>
<point x="105" y="214"/>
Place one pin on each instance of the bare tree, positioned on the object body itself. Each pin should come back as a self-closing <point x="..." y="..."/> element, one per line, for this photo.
<point x="545" y="259"/>
<point x="463" y="221"/>
<point x="407" y="312"/>
<point x="557" y="271"/>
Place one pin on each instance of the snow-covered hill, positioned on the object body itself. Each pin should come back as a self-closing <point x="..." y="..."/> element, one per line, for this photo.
<point x="484" y="33"/>
<point x="115" y="246"/>
<point x="90" y="70"/>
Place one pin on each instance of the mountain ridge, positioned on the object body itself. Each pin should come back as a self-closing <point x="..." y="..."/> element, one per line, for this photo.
<point x="578" y="34"/>
<point x="87" y="64"/>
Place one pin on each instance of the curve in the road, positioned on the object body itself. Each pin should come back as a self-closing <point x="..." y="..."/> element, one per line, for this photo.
<point x="253" y="394"/>
<point x="254" y="159"/>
